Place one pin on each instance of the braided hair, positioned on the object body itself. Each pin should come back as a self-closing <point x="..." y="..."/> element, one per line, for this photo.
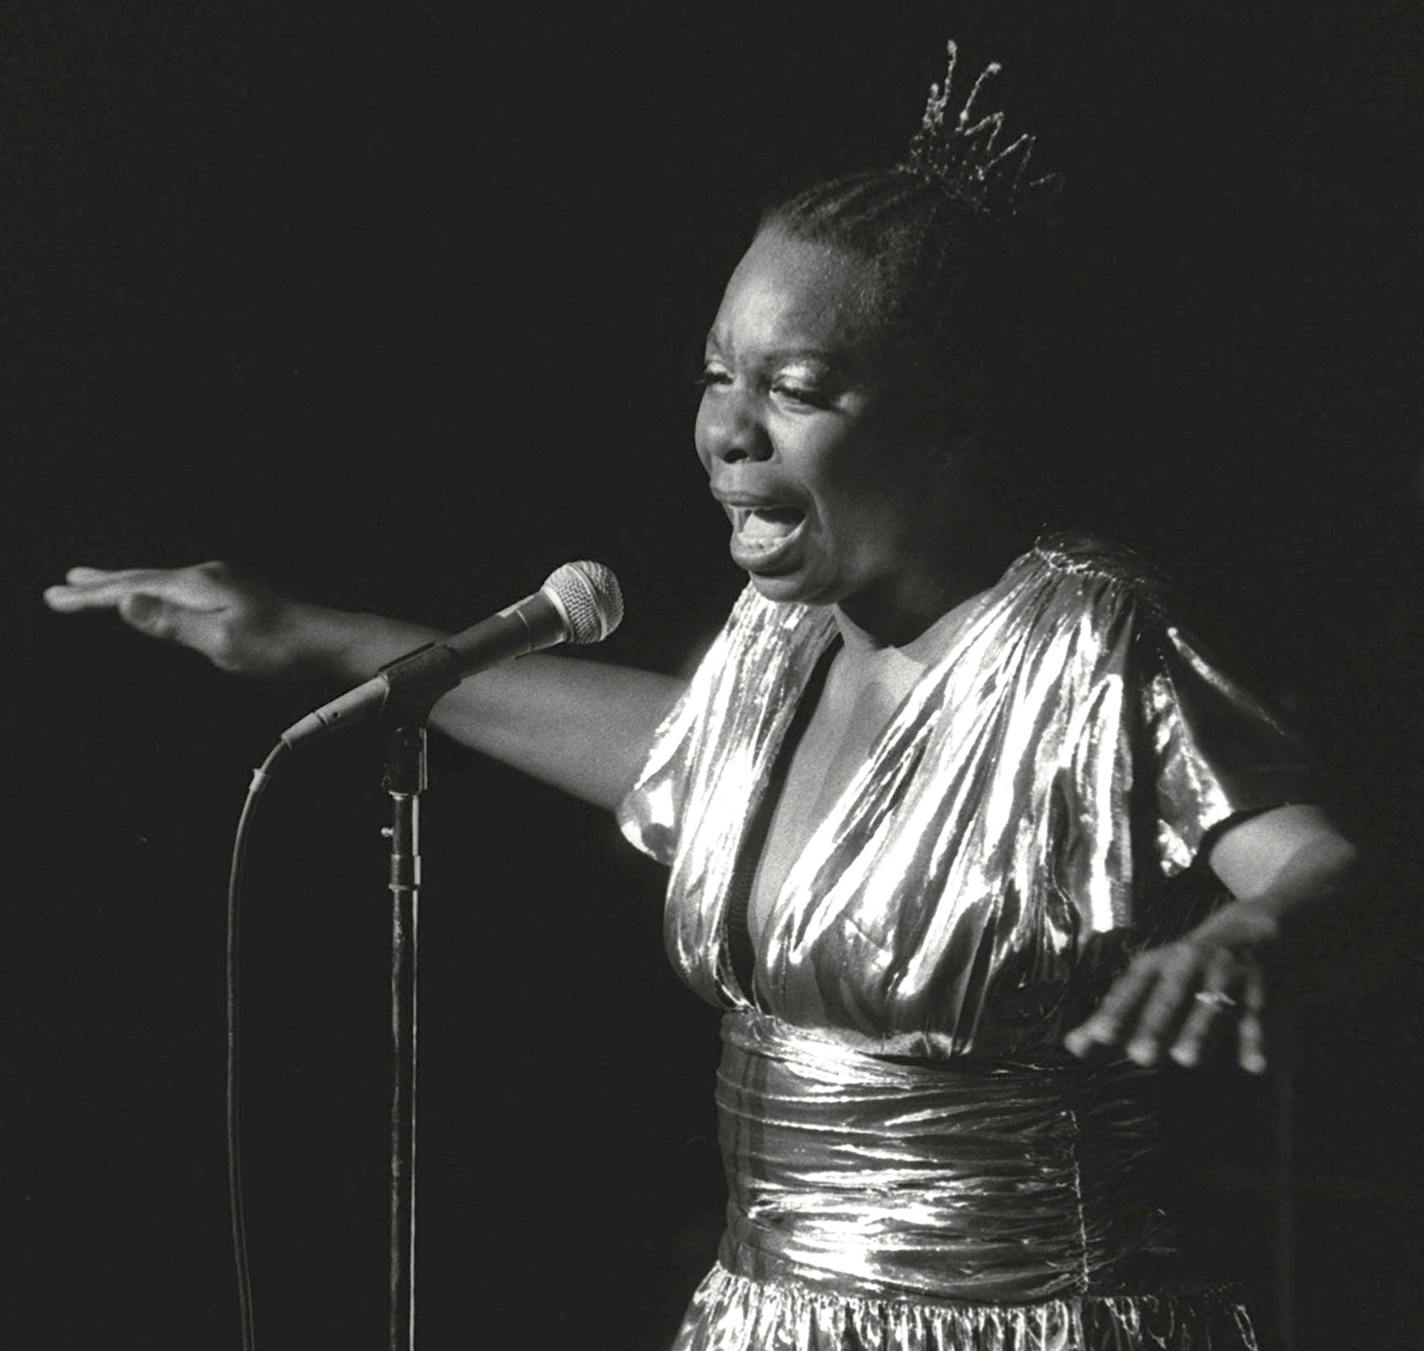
<point x="963" y="290"/>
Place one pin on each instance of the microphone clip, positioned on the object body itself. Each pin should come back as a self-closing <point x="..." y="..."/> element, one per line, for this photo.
<point x="415" y="681"/>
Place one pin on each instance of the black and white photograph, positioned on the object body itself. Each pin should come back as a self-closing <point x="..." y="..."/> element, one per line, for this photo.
<point x="714" y="676"/>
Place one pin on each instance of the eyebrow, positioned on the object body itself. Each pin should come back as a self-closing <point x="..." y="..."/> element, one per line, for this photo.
<point x="827" y="355"/>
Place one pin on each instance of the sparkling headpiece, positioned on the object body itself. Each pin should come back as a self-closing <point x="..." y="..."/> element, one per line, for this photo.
<point x="960" y="156"/>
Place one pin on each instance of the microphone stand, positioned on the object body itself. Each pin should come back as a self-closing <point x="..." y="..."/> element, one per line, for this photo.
<point x="405" y="779"/>
<point x="581" y="603"/>
<point x="406" y="708"/>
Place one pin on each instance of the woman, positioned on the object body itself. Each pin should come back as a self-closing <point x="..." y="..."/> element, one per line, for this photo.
<point x="948" y="813"/>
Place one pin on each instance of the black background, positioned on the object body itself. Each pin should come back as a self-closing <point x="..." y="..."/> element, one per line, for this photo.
<point x="398" y="309"/>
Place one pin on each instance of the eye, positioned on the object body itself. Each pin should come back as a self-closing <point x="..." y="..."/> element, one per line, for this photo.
<point x="806" y="395"/>
<point x="711" y="374"/>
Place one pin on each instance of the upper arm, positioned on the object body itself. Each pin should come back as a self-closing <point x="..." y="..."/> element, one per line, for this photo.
<point x="1223" y="763"/>
<point x="1279" y="850"/>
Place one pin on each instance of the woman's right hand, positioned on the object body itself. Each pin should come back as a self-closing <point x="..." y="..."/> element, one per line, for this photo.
<point x="236" y="623"/>
<point x="582" y="726"/>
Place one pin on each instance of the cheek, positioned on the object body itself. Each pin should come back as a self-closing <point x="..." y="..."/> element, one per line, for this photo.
<point x="866" y="480"/>
<point x="701" y="428"/>
<point x="874" y="507"/>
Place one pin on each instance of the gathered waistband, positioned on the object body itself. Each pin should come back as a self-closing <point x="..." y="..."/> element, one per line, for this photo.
<point x="957" y="1181"/>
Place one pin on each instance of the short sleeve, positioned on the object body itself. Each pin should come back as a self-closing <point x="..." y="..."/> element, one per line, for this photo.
<point x="1217" y="751"/>
<point x="651" y="814"/>
<point x="707" y="754"/>
<point x="1162" y="746"/>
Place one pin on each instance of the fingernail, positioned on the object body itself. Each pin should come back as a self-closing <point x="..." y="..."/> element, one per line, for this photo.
<point x="1143" y="1052"/>
<point x="1184" y="1055"/>
<point x="1254" y="1064"/>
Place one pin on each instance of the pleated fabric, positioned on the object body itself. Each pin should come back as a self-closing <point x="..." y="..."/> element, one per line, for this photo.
<point x="879" y="1204"/>
<point x="731" y="1313"/>
<point x="912" y="1159"/>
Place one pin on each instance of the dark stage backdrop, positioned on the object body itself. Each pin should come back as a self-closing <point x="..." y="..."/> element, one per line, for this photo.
<point x="398" y="307"/>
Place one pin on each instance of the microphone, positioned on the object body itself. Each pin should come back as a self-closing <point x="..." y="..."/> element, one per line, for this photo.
<point x="579" y="603"/>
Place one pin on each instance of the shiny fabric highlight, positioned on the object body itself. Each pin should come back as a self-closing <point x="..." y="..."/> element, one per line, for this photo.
<point x="731" y="1313"/>
<point x="1032" y="814"/>
<point x="1032" y="810"/>
<point x="984" y="1181"/>
<point x="879" y="1205"/>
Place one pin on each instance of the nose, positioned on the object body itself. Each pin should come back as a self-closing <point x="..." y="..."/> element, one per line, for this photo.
<point x="729" y="429"/>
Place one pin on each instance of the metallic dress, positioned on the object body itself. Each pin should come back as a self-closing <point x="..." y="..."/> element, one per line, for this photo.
<point x="913" y="1161"/>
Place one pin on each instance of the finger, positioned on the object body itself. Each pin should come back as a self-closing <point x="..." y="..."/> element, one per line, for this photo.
<point x="94" y="588"/>
<point x="1191" y="1040"/>
<point x="1178" y="978"/>
<point x="1253" y="988"/>
<point x="158" y="618"/>
<point x="1251" y="1034"/>
<point x="1204" y="1015"/>
<point x="67" y="599"/>
<point x="84" y="575"/>
<point x="1120" y="1003"/>
<point x="1251" y="1043"/>
<point x="1202" y="1034"/>
<point x="147" y="614"/>
<point x="184" y="587"/>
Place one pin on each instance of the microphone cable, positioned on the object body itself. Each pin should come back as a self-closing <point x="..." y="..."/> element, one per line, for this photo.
<point x="261" y="777"/>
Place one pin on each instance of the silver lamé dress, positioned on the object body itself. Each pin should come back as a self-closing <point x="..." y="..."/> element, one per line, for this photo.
<point x="913" y="1161"/>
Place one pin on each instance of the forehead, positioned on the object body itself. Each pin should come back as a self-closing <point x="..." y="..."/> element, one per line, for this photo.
<point x="789" y="294"/>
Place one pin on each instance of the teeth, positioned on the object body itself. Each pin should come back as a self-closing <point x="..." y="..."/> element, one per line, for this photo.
<point x="765" y="527"/>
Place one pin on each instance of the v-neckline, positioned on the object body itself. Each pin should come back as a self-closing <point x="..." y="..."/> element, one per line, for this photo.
<point x="742" y="955"/>
<point x="751" y="848"/>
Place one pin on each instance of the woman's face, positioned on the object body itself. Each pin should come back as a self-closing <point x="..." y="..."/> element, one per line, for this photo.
<point x="824" y="456"/>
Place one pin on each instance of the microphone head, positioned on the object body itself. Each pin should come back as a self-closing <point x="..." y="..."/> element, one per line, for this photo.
<point x="589" y="595"/>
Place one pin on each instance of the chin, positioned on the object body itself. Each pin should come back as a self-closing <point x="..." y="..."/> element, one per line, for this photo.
<point x="792" y="588"/>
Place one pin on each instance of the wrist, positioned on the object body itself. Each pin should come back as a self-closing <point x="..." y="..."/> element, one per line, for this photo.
<point x="1253" y="924"/>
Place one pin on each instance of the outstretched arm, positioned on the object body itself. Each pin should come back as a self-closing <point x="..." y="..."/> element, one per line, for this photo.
<point x="583" y="726"/>
<point x="1286" y="867"/>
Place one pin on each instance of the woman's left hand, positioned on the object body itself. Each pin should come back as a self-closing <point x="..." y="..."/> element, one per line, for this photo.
<point x="1179" y="999"/>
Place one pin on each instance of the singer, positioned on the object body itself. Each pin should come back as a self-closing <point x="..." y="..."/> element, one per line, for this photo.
<point x="966" y="830"/>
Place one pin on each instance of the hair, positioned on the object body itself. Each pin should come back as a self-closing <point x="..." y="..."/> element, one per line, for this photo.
<point x="963" y="301"/>
<point x="942" y="271"/>
<point x="964" y="285"/>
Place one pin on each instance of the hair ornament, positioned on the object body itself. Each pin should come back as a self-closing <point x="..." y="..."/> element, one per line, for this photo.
<point x="961" y="157"/>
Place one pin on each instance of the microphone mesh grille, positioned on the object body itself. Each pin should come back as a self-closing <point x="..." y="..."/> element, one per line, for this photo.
<point x="591" y="598"/>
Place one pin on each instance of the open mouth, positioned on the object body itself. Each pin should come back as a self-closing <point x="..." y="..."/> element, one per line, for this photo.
<point x="766" y="538"/>
<point x="765" y="528"/>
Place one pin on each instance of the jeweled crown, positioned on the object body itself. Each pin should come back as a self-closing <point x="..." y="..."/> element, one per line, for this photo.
<point x="961" y="155"/>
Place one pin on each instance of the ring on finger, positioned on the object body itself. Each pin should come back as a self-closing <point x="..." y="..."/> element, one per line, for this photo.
<point x="1216" y="999"/>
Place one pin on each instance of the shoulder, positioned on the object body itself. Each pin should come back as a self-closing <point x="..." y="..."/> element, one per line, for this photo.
<point x="1071" y="561"/>
<point x="1092" y="609"/>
